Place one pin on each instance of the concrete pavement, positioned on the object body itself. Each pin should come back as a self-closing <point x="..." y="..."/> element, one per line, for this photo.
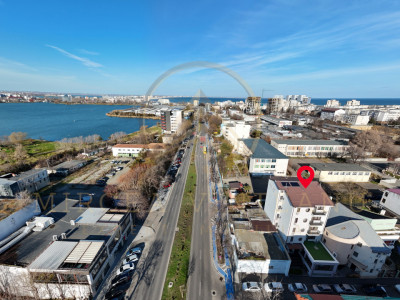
<point x="204" y="281"/>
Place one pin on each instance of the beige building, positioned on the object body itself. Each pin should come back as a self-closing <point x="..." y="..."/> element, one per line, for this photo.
<point x="340" y="172"/>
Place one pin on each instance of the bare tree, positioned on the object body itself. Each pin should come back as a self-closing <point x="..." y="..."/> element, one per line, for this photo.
<point x="17" y="137"/>
<point x="20" y="153"/>
<point x="355" y="152"/>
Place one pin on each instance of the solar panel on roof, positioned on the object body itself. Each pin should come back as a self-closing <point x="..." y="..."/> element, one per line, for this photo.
<point x="294" y="184"/>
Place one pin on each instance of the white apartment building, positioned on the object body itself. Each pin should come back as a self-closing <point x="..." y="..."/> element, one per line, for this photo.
<point x="333" y="114"/>
<point x="311" y="148"/>
<point x="353" y="103"/>
<point x="302" y="99"/>
<point x="390" y="202"/>
<point x="171" y="119"/>
<point x="356" y="120"/>
<point x="133" y="150"/>
<point x="299" y="214"/>
<point x="332" y="103"/>
<point x="234" y="131"/>
<point x="385" y="116"/>
<point x="340" y="172"/>
<point x="264" y="159"/>
<point x="354" y="242"/>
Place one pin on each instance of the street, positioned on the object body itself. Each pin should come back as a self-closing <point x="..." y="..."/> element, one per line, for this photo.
<point x="203" y="282"/>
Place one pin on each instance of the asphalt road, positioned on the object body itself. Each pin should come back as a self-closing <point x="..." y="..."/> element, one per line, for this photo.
<point x="148" y="281"/>
<point x="203" y="282"/>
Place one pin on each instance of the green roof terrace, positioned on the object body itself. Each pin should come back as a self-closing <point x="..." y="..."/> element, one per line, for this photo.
<point x="318" y="251"/>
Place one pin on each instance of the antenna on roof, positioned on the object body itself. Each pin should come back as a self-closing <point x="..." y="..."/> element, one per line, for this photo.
<point x="72" y="222"/>
<point x="55" y="238"/>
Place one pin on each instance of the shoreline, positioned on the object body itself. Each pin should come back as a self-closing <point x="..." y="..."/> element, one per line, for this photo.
<point x="114" y="114"/>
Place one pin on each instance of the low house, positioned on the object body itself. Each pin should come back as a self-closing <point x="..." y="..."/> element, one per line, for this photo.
<point x="264" y="159"/>
<point x="258" y="248"/>
<point x="276" y="121"/>
<point x="67" y="167"/>
<point x="354" y="242"/>
<point x="340" y="172"/>
<point x="390" y="202"/>
<point x="30" y="181"/>
<point x="133" y="150"/>
<point x="333" y="114"/>
<point x="311" y="148"/>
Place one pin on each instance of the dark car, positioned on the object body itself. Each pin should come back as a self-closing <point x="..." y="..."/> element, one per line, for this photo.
<point x="100" y="183"/>
<point x="115" y="295"/>
<point x="374" y="290"/>
<point x="123" y="275"/>
<point x="121" y="281"/>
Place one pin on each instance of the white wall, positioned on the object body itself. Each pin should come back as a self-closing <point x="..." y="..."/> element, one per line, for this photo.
<point x="280" y="166"/>
<point x="263" y="266"/>
<point x="391" y="202"/>
<point x="16" y="220"/>
<point x="341" y="176"/>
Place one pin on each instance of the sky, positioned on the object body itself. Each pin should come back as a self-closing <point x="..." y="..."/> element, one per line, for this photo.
<point x="335" y="49"/>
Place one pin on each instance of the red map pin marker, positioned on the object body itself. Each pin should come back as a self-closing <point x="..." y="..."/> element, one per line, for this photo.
<point x="305" y="181"/>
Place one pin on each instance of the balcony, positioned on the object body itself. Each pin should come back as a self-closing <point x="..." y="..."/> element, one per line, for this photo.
<point x="315" y="222"/>
<point x="313" y="232"/>
<point x="319" y="212"/>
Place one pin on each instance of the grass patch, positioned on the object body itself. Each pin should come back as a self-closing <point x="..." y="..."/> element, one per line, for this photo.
<point x="317" y="251"/>
<point x="178" y="267"/>
<point x="37" y="148"/>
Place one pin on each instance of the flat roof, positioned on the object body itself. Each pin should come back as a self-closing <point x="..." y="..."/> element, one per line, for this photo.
<point x="339" y="167"/>
<point x="313" y="195"/>
<point x="27" y="174"/>
<point x="53" y="256"/>
<point x="317" y="251"/>
<point x="259" y="244"/>
<point x="28" y="249"/>
<point x="261" y="149"/>
<point x="311" y="142"/>
<point x="91" y="215"/>
<point x="68" y="164"/>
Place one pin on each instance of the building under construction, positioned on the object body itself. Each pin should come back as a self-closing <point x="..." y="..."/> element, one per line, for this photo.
<point x="253" y="105"/>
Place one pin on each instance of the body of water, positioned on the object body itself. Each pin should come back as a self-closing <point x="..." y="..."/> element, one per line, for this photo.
<point x="57" y="121"/>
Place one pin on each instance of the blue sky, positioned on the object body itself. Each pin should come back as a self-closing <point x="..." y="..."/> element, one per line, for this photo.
<point x="319" y="48"/>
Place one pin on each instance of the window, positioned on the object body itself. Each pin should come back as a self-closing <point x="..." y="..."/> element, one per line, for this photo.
<point x="305" y="220"/>
<point x="336" y="173"/>
<point x="347" y="173"/>
<point x="352" y="246"/>
<point x="324" y="240"/>
<point x="360" y="173"/>
<point x="262" y="166"/>
<point x="274" y="160"/>
<point x="355" y="254"/>
<point x="383" y="200"/>
<point x="371" y="270"/>
<point x="271" y="267"/>
<point x="293" y="230"/>
<point x="354" y="173"/>
<point x="295" y="220"/>
<point x="302" y="230"/>
<point x="291" y="239"/>
<point x="330" y="173"/>
<point x="341" y="173"/>
<point x="263" y="160"/>
<point x="273" y="166"/>
<point x="366" y="173"/>
<point x="375" y="261"/>
<point x="300" y="239"/>
<point x="307" y="210"/>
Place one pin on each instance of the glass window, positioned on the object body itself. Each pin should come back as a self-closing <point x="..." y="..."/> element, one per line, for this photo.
<point x="336" y="173"/>
<point x="273" y="166"/>
<point x="366" y="173"/>
<point x="341" y="173"/>
<point x="330" y="173"/>
<point x="355" y="254"/>
<point x="360" y="173"/>
<point x="274" y="160"/>
<point x="347" y="173"/>
<point x="354" y="173"/>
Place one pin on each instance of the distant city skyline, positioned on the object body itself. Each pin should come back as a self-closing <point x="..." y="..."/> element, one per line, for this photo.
<point x="330" y="49"/>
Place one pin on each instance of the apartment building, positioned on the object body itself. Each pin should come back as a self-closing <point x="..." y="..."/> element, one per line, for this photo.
<point x="389" y="115"/>
<point x="65" y="254"/>
<point x="333" y="114"/>
<point x="354" y="242"/>
<point x="340" y="172"/>
<point x="390" y="202"/>
<point x="356" y="120"/>
<point x="30" y="181"/>
<point x="332" y="103"/>
<point x="311" y="148"/>
<point x="252" y="105"/>
<point x="299" y="214"/>
<point x="133" y="150"/>
<point x="171" y="119"/>
<point x="234" y="131"/>
<point x="353" y="103"/>
<point x="263" y="158"/>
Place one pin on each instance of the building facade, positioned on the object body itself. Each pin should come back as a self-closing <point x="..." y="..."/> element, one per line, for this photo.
<point x="340" y="172"/>
<point x="171" y="120"/>
<point x="30" y="181"/>
<point x="263" y="158"/>
<point x="311" y="148"/>
<point x="390" y="202"/>
<point x="133" y="150"/>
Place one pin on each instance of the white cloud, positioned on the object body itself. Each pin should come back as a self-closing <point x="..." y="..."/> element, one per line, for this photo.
<point x="84" y="51"/>
<point x="85" y="61"/>
<point x="5" y="62"/>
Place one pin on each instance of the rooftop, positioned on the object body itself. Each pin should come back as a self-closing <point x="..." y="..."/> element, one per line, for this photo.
<point x="317" y="251"/>
<point x="313" y="195"/>
<point x="259" y="244"/>
<point x="311" y="142"/>
<point x="69" y="164"/>
<point x="27" y="174"/>
<point x="261" y="149"/>
<point x="338" y="167"/>
<point x="31" y="247"/>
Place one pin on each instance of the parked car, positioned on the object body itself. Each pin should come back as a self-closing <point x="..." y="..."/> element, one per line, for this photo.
<point x="297" y="287"/>
<point x="121" y="281"/>
<point x="134" y="250"/>
<point x="131" y="258"/>
<point x="115" y="295"/>
<point x="374" y="290"/>
<point x="251" y="286"/>
<point x="322" y="288"/>
<point x="100" y="183"/>
<point x="343" y="288"/>
<point x="273" y="287"/>
<point x="166" y="185"/>
<point x="125" y="268"/>
<point x="123" y="275"/>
